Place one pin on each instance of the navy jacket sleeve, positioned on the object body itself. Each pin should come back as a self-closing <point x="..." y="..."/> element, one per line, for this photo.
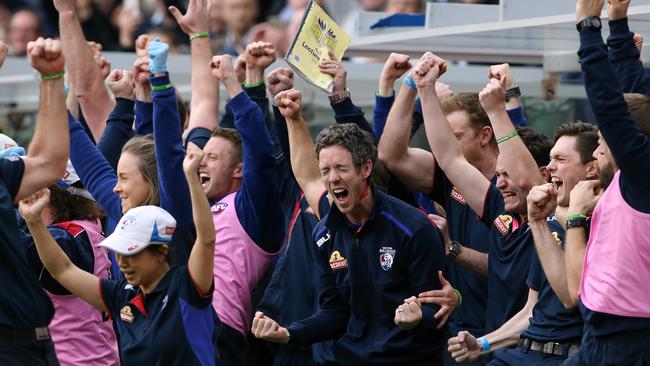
<point x="629" y="146"/>
<point x="330" y="321"/>
<point x="625" y="59"/>
<point x="282" y="131"/>
<point x="174" y="192"/>
<point x="11" y="174"/>
<point x="517" y="117"/>
<point x="257" y="202"/>
<point x="117" y="132"/>
<point x="143" y="118"/>
<point x="346" y="112"/>
<point x="380" y="114"/>
<point x="93" y="169"/>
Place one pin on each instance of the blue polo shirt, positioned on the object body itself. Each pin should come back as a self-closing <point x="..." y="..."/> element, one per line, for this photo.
<point x="509" y="260"/>
<point x="464" y="227"/>
<point x="365" y="273"/>
<point x="23" y="303"/>
<point x="172" y="325"/>
<point x="551" y="321"/>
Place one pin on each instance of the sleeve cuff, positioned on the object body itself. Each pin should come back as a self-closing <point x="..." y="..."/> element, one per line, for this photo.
<point x="590" y="37"/>
<point x="297" y="334"/>
<point x="160" y="80"/>
<point x="258" y="90"/>
<point x="619" y="26"/>
<point x="123" y="108"/>
<point x="344" y="107"/>
<point x="381" y="101"/>
<point x="240" y="104"/>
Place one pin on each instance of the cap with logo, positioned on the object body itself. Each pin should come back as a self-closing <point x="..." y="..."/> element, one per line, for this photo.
<point x="139" y="228"/>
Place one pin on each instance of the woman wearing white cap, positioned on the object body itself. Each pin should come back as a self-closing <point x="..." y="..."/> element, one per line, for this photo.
<point x="163" y="315"/>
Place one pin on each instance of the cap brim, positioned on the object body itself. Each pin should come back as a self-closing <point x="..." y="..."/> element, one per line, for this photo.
<point x="122" y="245"/>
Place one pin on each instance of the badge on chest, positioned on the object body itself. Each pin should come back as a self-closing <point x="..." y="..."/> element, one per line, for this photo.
<point x="386" y="257"/>
<point x="126" y="314"/>
<point x="337" y="261"/>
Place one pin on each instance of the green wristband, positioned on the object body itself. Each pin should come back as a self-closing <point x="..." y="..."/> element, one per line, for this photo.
<point x="200" y="35"/>
<point x="252" y="85"/>
<point x="460" y="297"/>
<point x="576" y="216"/>
<point x="507" y="137"/>
<point x="56" y="75"/>
<point x="161" y="87"/>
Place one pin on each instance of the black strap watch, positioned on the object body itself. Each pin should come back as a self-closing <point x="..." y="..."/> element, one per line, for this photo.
<point x="454" y="248"/>
<point x="576" y="222"/>
<point x="513" y="92"/>
<point x="340" y="96"/>
<point x="592" y="22"/>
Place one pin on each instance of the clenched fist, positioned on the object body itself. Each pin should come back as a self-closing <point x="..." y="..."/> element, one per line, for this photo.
<point x="290" y="103"/>
<point x="268" y="329"/>
<point x="121" y="83"/>
<point x="409" y="314"/>
<point x="427" y="71"/>
<point x="279" y="80"/>
<point x="222" y="67"/>
<point x="46" y="56"/>
<point x="542" y="201"/>
<point x="464" y="347"/>
<point x="259" y="55"/>
<point x="493" y="96"/>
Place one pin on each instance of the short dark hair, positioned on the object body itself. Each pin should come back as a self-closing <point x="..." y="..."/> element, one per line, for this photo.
<point x="358" y="142"/>
<point x="469" y="103"/>
<point x="586" y="136"/>
<point x="233" y="136"/>
<point x="67" y="206"/>
<point x="537" y="144"/>
<point x="639" y="107"/>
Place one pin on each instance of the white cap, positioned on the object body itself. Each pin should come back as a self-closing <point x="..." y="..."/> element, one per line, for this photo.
<point x="140" y="227"/>
<point x="6" y="142"/>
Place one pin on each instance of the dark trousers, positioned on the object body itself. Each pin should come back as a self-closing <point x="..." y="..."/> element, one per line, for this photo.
<point x="231" y="346"/>
<point x="293" y="357"/>
<point x="630" y="349"/>
<point x="520" y="356"/>
<point x="35" y="353"/>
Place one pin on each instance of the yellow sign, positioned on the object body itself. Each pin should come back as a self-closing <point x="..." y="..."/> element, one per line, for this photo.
<point x="317" y="34"/>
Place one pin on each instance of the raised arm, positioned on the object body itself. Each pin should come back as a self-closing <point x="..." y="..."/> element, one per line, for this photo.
<point x="415" y="167"/>
<point x="119" y="126"/>
<point x="303" y="158"/>
<point x="542" y="201"/>
<point x="84" y="74"/>
<point x="396" y="65"/>
<point x="277" y="81"/>
<point x="79" y="282"/>
<point x="48" y="152"/>
<point x="201" y="259"/>
<point x="517" y="160"/>
<point x="470" y="181"/>
<point x="205" y="88"/>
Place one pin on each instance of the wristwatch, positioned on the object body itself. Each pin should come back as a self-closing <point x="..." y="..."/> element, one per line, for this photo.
<point x="454" y="248"/>
<point x="576" y="222"/>
<point x="513" y="92"/>
<point x="340" y="96"/>
<point x="592" y="22"/>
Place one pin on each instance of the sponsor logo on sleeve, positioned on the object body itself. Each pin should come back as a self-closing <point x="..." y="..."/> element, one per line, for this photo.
<point x="457" y="196"/>
<point x="337" y="261"/>
<point x="322" y="240"/>
<point x="386" y="257"/>
<point x="503" y="223"/>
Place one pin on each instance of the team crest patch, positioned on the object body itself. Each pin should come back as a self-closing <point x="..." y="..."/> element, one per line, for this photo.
<point x="386" y="257"/>
<point x="126" y="314"/>
<point x="219" y="207"/>
<point x="503" y="223"/>
<point x="337" y="261"/>
<point x="457" y="196"/>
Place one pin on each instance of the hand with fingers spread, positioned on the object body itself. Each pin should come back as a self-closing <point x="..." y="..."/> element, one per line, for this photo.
<point x="4" y="50"/>
<point x="587" y="8"/>
<point x="584" y="197"/>
<point x="464" y="347"/>
<point x="46" y="56"/>
<point x="396" y="65"/>
<point x="279" y="80"/>
<point x="446" y="297"/>
<point x="427" y="71"/>
<point x="493" y="96"/>
<point x="542" y="201"/>
<point x="334" y="68"/>
<point x="193" y="157"/>
<point x="290" y="104"/>
<point x="617" y="9"/>
<point x="31" y="208"/>
<point x="500" y="72"/>
<point x="195" y="19"/>
<point x="142" y="45"/>
<point x="121" y="83"/>
<point x="409" y="314"/>
<point x="268" y="329"/>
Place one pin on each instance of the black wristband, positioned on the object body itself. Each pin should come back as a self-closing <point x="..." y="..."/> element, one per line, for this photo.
<point x="513" y="92"/>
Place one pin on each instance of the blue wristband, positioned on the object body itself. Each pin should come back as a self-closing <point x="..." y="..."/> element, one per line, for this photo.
<point x="408" y="81"/>
<point x="484" y="344"/>
<point x="158" y="56"/>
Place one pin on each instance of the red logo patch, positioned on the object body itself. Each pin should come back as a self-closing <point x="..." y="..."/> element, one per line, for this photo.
<point x="457" y="196"/>
<point x="503" y="223"/>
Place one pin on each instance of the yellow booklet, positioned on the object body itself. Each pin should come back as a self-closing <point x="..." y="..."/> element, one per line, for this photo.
<point x="317" y="34"/>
